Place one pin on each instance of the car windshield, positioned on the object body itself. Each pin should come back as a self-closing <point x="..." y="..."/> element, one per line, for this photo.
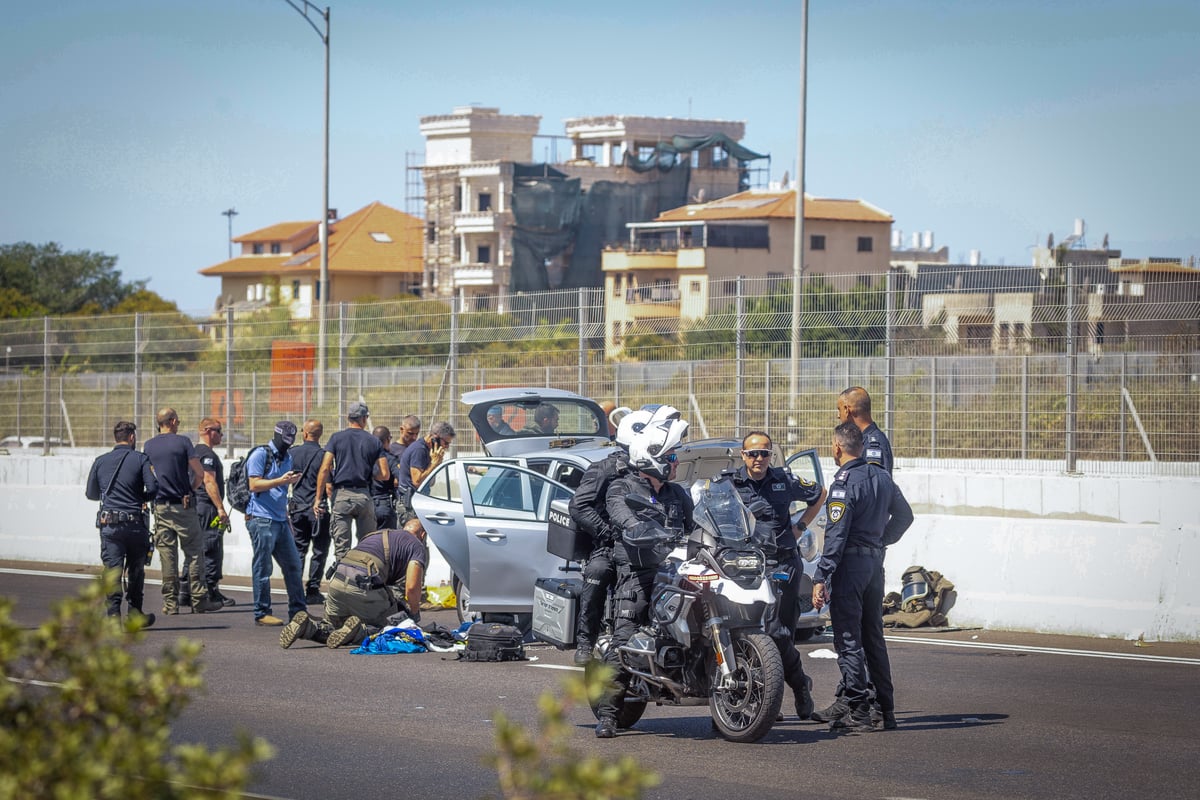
<point x="561" y="417"/>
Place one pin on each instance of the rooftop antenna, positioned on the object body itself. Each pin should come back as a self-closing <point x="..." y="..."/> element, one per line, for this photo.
<point x="230" y="213"/>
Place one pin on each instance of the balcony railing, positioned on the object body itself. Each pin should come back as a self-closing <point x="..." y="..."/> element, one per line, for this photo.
<point x="653" y="294"/>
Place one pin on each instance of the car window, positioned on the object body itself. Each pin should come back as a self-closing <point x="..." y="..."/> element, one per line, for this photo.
<point x="441" y="486"/>
<point x="505" y="493"/>
<point x="568" y="474"/>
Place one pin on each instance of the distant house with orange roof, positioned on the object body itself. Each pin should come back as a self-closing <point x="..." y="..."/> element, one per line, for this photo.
<point x="673" y="264"/>
<point x="376" y="251"/>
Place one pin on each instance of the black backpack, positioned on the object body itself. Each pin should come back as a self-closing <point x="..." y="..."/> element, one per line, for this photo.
<point x="237" y="488"/>
<point x="492" y="641"/>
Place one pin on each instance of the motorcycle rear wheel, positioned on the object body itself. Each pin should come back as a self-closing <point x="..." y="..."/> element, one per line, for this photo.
<point x="746" y="711"/>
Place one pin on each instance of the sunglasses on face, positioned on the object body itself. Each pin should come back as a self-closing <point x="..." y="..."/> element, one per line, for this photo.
<point x="756" y="453"/>
<point x="213" y="430"/>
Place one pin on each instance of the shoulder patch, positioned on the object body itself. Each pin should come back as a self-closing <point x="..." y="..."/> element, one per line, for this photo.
<point x="874" y="452"/>
<point x="835" y="510"/>
<point x="778" y="487"/>
<point x="806" y="483"/>
<point x="838" y="494"/>
<point x="841" y="476"/>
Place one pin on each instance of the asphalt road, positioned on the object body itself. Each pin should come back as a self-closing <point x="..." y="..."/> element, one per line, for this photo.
<point x="983" y="714"/>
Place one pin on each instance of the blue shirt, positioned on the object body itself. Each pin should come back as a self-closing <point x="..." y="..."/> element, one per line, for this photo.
<point x="272" y="503"/>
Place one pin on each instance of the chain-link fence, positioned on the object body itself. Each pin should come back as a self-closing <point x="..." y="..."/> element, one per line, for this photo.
<point x="1067" y="370"/>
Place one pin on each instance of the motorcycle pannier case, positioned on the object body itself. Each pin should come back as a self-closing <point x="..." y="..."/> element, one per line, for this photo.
<point x="563" y="539"/>
<point x="492" y="641"/>
<point x="555" y="609"/>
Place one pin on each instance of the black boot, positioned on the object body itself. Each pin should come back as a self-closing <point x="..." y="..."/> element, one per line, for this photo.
<point x="583" y="651"/>
<point x="802" y="692"/>
<point x="606" y="728"/>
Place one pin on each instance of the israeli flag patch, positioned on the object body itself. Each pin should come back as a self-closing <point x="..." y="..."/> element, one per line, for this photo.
<point x="875" y="453"/>
<point x="838" y="493"/>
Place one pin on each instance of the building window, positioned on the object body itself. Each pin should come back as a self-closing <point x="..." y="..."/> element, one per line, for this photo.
<point x="275" y="248"/>
<point x="258" y="249"/>
<point x="816" y="242"/>
<point x="485" y="201"/>
<point x="317" y="290"/>
<point x="616" y="285"/>
<point x="695" y="287"/>
<point x="864" y="244"/>
<point x="484" y="252"/>
<point x="749" y="237"/>
<point x="295" y="290"/>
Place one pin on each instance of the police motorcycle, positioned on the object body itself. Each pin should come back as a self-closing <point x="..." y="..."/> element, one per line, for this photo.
<point x="712" y="602"/>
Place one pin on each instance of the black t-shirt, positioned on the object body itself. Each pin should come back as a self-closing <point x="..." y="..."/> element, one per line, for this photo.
<point x="355" y="453"/>
<point x="133" y="485"/>
<point x="416" y="456"/>
<point x="303" y="457"/>
<point x="169" y="454"/>
<point x="385" y="489"/>
<point x="211" y="463"/>
<point x="403" y="547"/>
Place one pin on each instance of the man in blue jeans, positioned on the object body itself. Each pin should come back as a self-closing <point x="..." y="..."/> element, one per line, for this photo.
<point x="269" y="469"/>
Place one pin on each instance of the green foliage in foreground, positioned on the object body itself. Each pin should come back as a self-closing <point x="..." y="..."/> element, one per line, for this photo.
<point x="82" y="716"/>
<point x="542" y="765"/>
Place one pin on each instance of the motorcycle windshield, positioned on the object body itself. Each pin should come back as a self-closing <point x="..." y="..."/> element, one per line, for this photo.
<point x="721" y="512"/>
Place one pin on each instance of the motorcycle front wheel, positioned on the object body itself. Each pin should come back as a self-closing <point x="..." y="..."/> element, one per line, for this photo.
<point x="745" y="709"/>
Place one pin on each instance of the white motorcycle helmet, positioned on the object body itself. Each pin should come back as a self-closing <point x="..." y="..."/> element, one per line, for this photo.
<point x="631" y="423"/>
<point x="660" y="412"/>
<point x="649" y="446"/>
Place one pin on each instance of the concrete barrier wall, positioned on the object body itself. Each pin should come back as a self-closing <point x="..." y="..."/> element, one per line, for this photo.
<point x="1098" y="556"/>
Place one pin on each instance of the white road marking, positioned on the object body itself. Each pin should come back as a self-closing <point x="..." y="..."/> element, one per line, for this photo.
<point x="1057" y="651"/>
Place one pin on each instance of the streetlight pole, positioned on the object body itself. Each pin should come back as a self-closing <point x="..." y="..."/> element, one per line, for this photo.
<point x="302" y="7"/>
<point x="230" y="213"/>
<point x="798" y="239"/>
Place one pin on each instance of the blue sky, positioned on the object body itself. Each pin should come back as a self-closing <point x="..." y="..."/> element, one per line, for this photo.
<point x="128" y="126"/>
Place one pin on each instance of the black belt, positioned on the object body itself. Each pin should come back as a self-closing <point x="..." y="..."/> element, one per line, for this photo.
<point x="350" y="486"/>
<point x="120" y="517"/>
<point x="168" y="502"/>
<point x="863" y="550"/>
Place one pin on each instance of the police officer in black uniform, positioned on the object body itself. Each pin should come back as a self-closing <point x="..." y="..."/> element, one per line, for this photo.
<point x="652" y="465"/>
<point x="757" y="480"/>
<point x="310" y="517"/>
<point x="854" y="405"/>
<point x="866" y="513"/>
<point x="123" y="482"/>
<point x="383" y="491"/>
<point x="588" y="510"/>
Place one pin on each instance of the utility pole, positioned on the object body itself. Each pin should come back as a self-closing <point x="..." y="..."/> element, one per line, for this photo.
<point x="798" y="238"/>
<point x="230" y="213"/>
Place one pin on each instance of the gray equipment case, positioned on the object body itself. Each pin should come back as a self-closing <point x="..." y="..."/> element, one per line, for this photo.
<point x="555" y="608"/>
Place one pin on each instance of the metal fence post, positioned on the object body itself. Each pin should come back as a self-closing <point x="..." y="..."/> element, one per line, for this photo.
<point x="343" y="345"/>
<point x="1072" y="388"/>
<point x="253" y="407"/>
<point x="582" y="350"/>
<point x="45" y="386"/>
<point x="1024" y="406"/>
<point x="933" y="406"/>
<point x="889" y="381"/>
<point x="137" y="373"/>
<point x="740" y="355"/>
<point x="1121" y="410"/>
<point x="452" y="372"/>
<point x="229" y="415"/>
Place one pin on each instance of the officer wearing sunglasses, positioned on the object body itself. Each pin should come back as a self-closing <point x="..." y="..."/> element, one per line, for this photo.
<point x="755" y="480"/>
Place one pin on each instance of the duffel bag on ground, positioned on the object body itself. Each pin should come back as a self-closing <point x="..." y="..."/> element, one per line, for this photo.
<point x="493" y="641"/>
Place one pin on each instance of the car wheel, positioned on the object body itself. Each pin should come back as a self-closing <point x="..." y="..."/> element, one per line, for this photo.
<point x="462" y="602"/>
